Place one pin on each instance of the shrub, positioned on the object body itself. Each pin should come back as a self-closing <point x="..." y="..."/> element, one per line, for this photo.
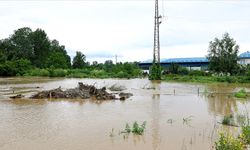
<point x="38" y="72"/>
<point x="155" y="72"/>
<point x="122" y="74"/>
<point x="58" y="72"/>
<point x="228" y="142"/>
<point x="196" y="73"/>
<point x="22" y="66"/>
<point x="183" y="71"/>
<point x="12" y="68"/>
<point x="78" y="75"/>
<point x="246" y="134"/>
<point x="227" y="120"/>
<point x="136" y="128"/>
<point x="98" y="74"/>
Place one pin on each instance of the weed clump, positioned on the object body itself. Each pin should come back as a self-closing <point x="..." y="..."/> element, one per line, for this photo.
<point x="246" y="134"/>
<point x="241" y="94"/>
<point x="228" y="142"/>
<point x="136" y="128"/>
<point x="187" y="120"/>
<point x="227" y="120"/>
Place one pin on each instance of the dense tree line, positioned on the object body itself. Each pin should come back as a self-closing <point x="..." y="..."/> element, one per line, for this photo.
<point x="31" y="49"/>
<point x="28" y="52"/>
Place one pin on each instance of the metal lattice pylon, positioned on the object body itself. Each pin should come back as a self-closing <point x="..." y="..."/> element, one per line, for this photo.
<point x="156" y="57"/>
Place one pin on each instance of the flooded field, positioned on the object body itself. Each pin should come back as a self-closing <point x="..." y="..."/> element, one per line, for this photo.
<point x="86" y="124"/>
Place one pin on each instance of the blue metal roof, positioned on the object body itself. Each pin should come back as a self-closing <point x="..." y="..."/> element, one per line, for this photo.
<point x="181" y="60"/>
<point x="193" y="59"/>
<point x="245" y="55"/>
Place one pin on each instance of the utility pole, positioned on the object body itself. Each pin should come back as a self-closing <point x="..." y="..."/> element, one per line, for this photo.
<point x="115" y="59"/>
<point x="155" y="69"/>
<point x="156" y="57"/>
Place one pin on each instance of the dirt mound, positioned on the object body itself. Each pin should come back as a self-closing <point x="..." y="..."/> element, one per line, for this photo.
<point x="116" y="87"/>
<point x="124" y="96"/>
<point x="83" y="91"/>
<point x="17" y="96"/>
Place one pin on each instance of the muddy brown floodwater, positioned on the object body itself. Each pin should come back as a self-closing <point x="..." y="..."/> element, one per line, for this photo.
<point x="86" y="124"/>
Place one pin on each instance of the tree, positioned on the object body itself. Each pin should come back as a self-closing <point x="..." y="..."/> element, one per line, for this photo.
<point x="223" y="55"/>
<point x="56" y="49"/>
<point x="174" y="68"/>
<point x="108" y="65"/>
<point x="57" y="60"/>
<point x="41" y="46"/>
<point x="79" y="60"/>
<point x="3" y="57"/>
<point x="155" y="71"/>
<point x="21" y="44"/>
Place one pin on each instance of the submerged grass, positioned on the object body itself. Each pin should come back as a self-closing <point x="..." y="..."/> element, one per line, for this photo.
<point x="111" y="134"/>
<point x="227" y="120"/>
<point x="187" y="120"/>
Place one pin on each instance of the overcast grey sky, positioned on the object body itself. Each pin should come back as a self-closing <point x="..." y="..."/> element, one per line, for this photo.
<point x="102" y="29"/>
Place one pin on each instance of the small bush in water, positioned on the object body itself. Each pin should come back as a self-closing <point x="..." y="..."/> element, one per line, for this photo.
<point x="227" y="120"/>
<point x="241" y="94"/>
<point x="136" y="128"/>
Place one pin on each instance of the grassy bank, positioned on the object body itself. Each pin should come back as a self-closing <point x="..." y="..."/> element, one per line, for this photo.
<point x="206" y="79"/>
<point x="83" y="73"/>
<point x="133" y="73"/>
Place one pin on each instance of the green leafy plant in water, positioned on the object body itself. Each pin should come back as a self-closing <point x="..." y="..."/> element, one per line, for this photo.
<point x="127" y="128"/>
<point x="228" y="142"/>
<point x="136" y="128"/>
<point x="139" y="129"/>
<point x="241" y="94"/>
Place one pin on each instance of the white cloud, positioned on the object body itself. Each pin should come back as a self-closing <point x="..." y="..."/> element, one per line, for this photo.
<point x="125" y="28"/>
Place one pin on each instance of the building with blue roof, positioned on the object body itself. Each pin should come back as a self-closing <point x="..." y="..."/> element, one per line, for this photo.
<point x="244" y="58"/>
<point x="193" y="63"/>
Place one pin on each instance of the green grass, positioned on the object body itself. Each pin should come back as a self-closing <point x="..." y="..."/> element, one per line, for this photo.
<point x="82" y="73"/>
<point x="205" y="79"/>
<point x="246" y="134"/>
<point x="241" y="94"/>
<point x="228" y="142"/>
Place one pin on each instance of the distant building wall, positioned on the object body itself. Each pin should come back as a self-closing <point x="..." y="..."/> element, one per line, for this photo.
<point x="244" y="58"/>
<point x="188" y="65"/>
<point x="244" y="61"/>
